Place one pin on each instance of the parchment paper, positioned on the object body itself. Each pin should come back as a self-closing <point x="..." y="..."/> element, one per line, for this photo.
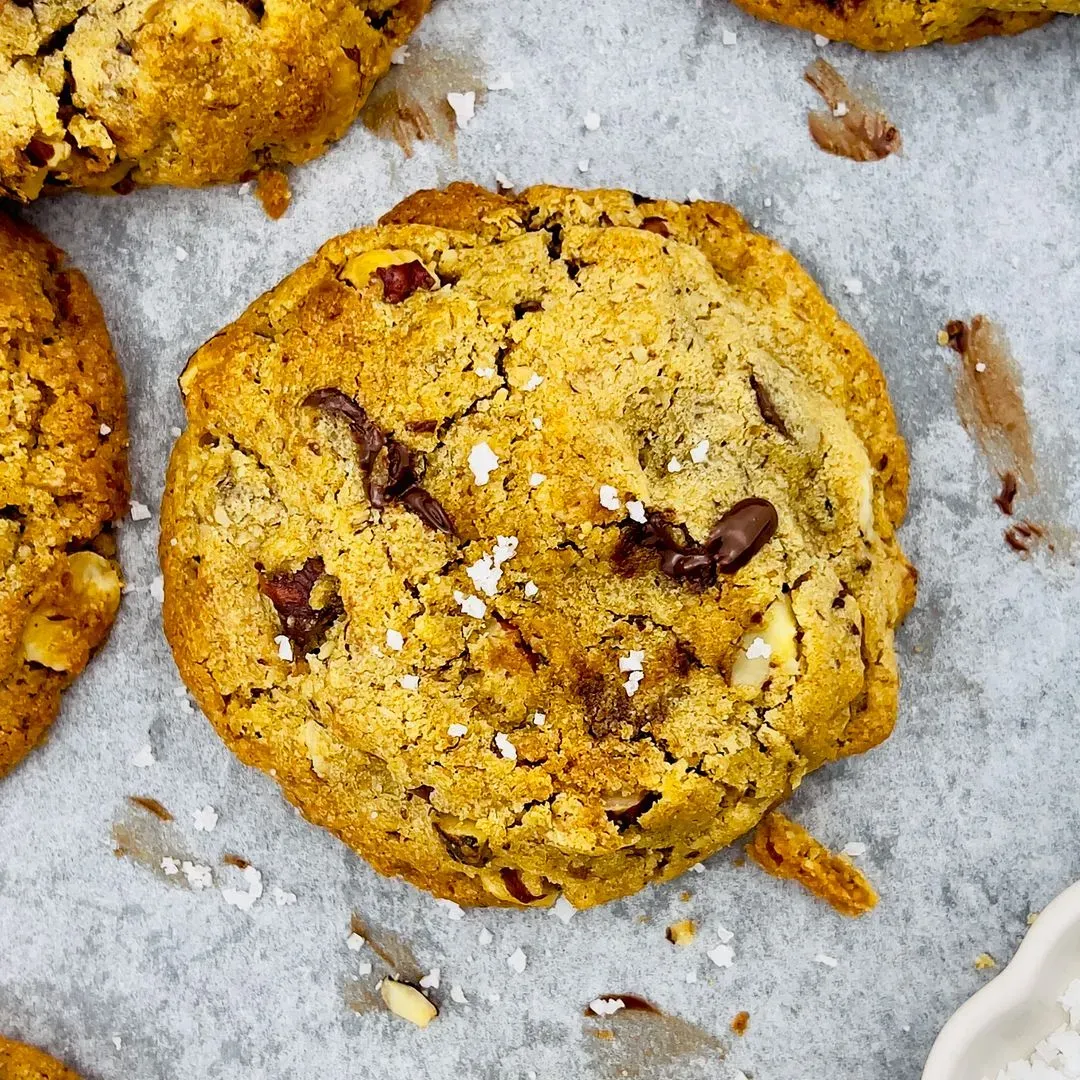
<point x="970" y="813"/>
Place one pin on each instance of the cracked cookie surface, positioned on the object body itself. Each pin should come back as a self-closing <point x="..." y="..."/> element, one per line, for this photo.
<point x="889" y="25"/>
<point x="538" y="543"/>
<point x="63" y="479"/>
<point x="21" y="1062"/>
<point x="187" y="92"/>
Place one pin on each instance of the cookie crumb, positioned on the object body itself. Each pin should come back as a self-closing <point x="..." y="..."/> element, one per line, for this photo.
<point x="984" y="962"/>
<point x="681" y="933"/>
<point x="740" y="1022"/>
<point x="273" y="191"/>
<point x="785" y="849"/>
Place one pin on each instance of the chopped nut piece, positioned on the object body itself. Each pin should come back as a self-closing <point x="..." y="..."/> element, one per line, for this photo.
<point x="783" y="848"/>
<point x="769" y="649"/>
<point x="407" y="1002"/>
<point x="682" y="932"/>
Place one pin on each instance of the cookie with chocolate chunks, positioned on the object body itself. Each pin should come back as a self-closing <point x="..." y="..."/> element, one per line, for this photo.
<point x="550" y="562"/>
<point x="114" y="96"/>
<point x="63" y="482"/>
<point x="891" y="25"/>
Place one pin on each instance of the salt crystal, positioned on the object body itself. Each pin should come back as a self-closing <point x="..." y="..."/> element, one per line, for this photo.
<point x="516" y="961"/>
<point x="483" y="462"/>
<point x="592" y="121"/>
<point x="464" y="106"/>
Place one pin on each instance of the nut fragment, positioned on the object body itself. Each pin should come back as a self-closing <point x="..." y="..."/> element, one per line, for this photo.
<point x="682" y="932"/>
<point x="55" y="634"/>
<point x="407" y="1002"/>
<point x="359" y="268"/>
<point x="769" y="650"/>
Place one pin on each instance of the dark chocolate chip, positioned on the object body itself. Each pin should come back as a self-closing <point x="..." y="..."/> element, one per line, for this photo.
<point x="38" y="152"/>
<point x="402" y="280"/>
<point x="290" y="593"/>
<point x="464" y="848"/>
<point x="655" y="225"/>
<point x="741" y="533"/>
<point x="516" y="887"/>
<point x="769" y="413"/>
<point x="697" y="566"/>
<point x="428" y="509"/>
<point x="367" y="435"/>
<point x="957" y="332"/>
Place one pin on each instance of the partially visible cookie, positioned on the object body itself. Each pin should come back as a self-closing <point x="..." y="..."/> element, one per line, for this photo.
<point x="539" y="544"/>
<point x="21" y="1062"/>
<point x="63" y="479"/>
<point x="888" y="25"/>
<point x="107" y="96"/>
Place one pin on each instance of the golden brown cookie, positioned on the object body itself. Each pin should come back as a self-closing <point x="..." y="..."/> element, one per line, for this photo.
<point x="889" y="25"/>
<point x="63" y="479"/>
<point x="21" y="1062"/>
<point x="539" y="543"/>
<point x="109" y="96"/>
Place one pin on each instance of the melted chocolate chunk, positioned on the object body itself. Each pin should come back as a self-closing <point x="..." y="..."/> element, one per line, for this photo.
<point x="655" y="225"/>
<point x="290" y="593"/>
<point x="428" y="509"/>
<point x="741" y="533"/>
<point x="465" y="849"/>
<point x="516" y="887"/>
<point x="399" y="282"/>
<point x="390" y="467"/>
<point x="367" y="435"/>
<point x="623" y="818"/>
<point x="732" y="542"/>
<point x="768" y="410"/>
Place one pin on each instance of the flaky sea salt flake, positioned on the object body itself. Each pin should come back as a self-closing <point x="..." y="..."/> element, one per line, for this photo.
<point x="483" y="462"/>
<point x="464" y="106"/>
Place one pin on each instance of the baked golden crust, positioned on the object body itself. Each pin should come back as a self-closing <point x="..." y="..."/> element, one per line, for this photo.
<point x="890" y="25"/>
<point x="63" y="478"/>
<point x="587" y="338"/>
<point x="21" y="1062"/>
<point x="107" y="96"/>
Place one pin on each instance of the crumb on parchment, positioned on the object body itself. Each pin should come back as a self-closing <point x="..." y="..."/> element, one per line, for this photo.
<point x="785" y="849"/>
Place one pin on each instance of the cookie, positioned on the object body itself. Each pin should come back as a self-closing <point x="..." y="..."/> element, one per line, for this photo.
<point x="63" y="479"/>
<point x="889" y="25"/>
<point x="109" y="96"/>
<point x="538" y="544"/>
<point x="21" y="1062"/>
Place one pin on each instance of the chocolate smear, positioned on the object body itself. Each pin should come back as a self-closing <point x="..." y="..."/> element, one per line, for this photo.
<point x="990" y="403"/>
<point x="290" y="593"/>
<point x="849" y="127"/>
<point x="408" y="104"/>
<point x="395" y="953"/>
<point x="151" y="806"/>
<point x="401" y="280"/>
<point x="390" y="467"/>
<point x="642" y="1042"/>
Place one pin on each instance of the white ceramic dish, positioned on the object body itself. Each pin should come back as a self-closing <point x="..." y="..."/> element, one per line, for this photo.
<point x="1019" y="1008"/>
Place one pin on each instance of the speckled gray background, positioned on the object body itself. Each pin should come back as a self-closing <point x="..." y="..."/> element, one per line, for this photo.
<point x="970" y="812"/>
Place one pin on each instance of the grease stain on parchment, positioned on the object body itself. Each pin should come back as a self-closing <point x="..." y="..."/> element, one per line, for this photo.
<point x="642" y="1042"/>
<point x="990" y="404"/>
<point x="408" y="104"/>
<point x="141" y="837"/>
<point x="394" y="951"/>
<point x="851" y="126"/>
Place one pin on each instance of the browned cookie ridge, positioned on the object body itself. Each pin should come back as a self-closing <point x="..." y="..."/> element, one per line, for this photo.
<point x="541" y="543"/>
<point x="110" y="96"/>
<point x="63" y="480"/>
<point x="889" y="25"/>
<point x="21" y="1062"/>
